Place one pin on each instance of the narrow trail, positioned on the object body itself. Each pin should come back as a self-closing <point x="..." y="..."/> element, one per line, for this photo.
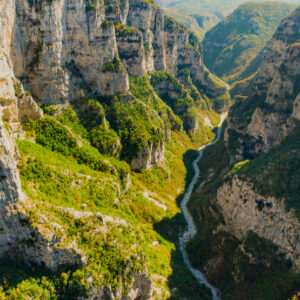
<point x="191" y="226"/>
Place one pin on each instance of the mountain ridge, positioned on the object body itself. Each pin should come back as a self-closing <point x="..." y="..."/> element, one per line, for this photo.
<point x="240" y="40"/>
<point x="248" y="211"/>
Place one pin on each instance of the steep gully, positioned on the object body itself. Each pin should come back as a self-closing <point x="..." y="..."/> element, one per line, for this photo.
<point x="191" y="226"/>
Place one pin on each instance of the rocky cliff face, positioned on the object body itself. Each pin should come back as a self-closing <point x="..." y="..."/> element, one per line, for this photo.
<point x="271" y="108"/>
<point x="246" y="210"/>
<point x="256" y="179"/>
<point x="17" y="106"/>
<point x="260" y="122"/>
<point x="10" y="192"/>
<point x="66" y="51"/>
<point x="76" y="39"/>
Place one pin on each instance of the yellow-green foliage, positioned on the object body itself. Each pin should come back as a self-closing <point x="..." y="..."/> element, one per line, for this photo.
<point x="238" y="166"/>
<point x="123" y="31"/>
<point x="54" y="178"/>
<point x="240" y="39"/>
<point x="67" y="167"/>
<point x="115" y="66"/>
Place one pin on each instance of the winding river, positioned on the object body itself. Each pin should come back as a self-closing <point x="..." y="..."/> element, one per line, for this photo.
<point x="191" y="226"/>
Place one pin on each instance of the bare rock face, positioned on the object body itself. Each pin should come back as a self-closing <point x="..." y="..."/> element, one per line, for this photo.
<point x="141" y="288"/>
<point x="257" y="123"/>
<point x="271" y="109"/>
<point x="70" y="49"/>
<point x="63" y="47"/>
<point x="10" y="181"/>
<point x="131" y="50"/>
<point x="10" y="194"/>
<point x="65" y="51"/>
<point x="148" y="157"/>
<point x="244" y="210"/>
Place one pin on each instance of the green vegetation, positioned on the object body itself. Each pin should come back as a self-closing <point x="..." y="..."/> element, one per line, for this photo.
<point x="178" y="104"/>
<point x="54" y="180"/>
<point x="238" y="166"/>
<point x="149" y="1"/>
<point x="92" y="4"/>
<point x="275" y="174"/>
<point x="114" y="66"/>
<point x="123" y="31"/>
<point x="106" y="24"/>
<point x="197" y="22"/>
<point x="185" y="100"/>
<point x="271" y="277"/>
<point x="238" y="40"/>
<point x="51" y="134"/>
<point x="71" y="165"/>
<point x="172" y="25"/>
<point x="200" y="16"/>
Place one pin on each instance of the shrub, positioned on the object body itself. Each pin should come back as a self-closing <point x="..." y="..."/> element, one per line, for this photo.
<point x="114" y="66"/>
<point x="54" y="136"/>
<point x="106" y="24"/>
<point x="122" y="30"/>
<point x="105" y="140"/>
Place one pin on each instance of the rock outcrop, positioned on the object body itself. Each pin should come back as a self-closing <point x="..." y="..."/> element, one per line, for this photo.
<point x="148" y="157"/>
<point x="10" y="193"/>
<point x="245" y="210"/>
<point x="76" y="40"/>
<point x="141" y="288"/>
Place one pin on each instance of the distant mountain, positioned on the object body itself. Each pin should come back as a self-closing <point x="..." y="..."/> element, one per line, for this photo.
<point x="198" y="22"/>
<point x="201" y="15"/>
<point x="234" y="48"/>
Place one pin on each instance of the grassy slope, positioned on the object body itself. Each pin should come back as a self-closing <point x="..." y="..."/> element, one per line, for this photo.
<point x="238" y="28"/>
<point x="57" y="173"/>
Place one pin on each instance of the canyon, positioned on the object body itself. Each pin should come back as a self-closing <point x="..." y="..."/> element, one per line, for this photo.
<point x="104" y="106"/>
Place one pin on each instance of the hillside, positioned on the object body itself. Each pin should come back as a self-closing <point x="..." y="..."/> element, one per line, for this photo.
<point x="197" y="22"/>
<point x="102" y="106"/>
<point x="104" y="109"/>
<point x="201" y="15"/>
<point x="247" y="200"/>
<point x="234" y="48"/>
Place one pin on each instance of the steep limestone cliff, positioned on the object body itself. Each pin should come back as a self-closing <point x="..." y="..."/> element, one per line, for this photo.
<point x="247" y="203"/>
<point x="88" y="65"/>
<point x="270" y="109"/>
<point x="244" y="210"/>
<point x="76" y="39"/>
<point x="66" y="51"/>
